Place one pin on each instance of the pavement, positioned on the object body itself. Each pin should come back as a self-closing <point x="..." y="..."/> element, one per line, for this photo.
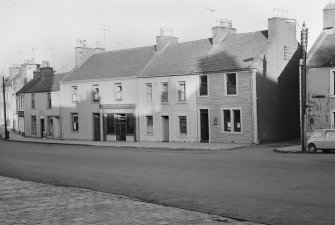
<point x="290" y="149"/>
<point x="13" y="136"/>
<point x="24" y="202"/>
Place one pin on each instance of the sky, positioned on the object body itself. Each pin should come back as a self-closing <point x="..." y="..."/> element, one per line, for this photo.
<point x="49" y="29"/>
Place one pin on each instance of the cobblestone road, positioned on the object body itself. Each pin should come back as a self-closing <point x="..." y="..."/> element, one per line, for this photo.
<point x="23" y="202"/>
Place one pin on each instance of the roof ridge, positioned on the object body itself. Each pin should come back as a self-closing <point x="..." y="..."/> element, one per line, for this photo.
<point x="125" y="49"/>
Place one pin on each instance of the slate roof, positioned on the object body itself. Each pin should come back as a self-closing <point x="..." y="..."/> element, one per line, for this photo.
<point x="322" y="54"/>
<point x="121" y="63"/>
<point x="236" y="51"/>
<point x="46" y="83"/>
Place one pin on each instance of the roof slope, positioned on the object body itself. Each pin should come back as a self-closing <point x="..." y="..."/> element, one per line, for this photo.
<point x="121" y="63"/>
<point x="45" y="83"/>
<point x="236" y="51"/>
<point x="322" y="54"/>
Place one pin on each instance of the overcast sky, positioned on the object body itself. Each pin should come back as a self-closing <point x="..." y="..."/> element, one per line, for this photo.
<point x="52" y="27"/>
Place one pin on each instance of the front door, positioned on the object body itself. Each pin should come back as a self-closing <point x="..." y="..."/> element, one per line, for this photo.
<point x="42" y="128"/>
<point x="96" y="125"/>
<point x="204" y="127"/>
<point x="120" y="128"/>
<point x="165" y="128"/>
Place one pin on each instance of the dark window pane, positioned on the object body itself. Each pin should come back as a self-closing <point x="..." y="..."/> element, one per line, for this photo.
<point x="182" y="124"/>
<point x="231" y="84"/>
<point x="203" y="85"/>
<point x="110" y="124"/>
<point x="227" y="121"/>
<point x="237" y="120"/>
<point x="130" y="124"/>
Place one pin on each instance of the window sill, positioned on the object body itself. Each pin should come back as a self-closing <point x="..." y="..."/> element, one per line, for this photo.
<point x="331" y="96"/>
<point x="75" y="131"/>
<point x="203" y="96"/>
<point x="226" y="95"/>
<point x="227" y="132"/>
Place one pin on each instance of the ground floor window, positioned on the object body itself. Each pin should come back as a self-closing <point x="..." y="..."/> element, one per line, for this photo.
<point x="75" y="122"/>
<point x="182" y="125"/>
<point x="50" y="126"/>
<point x="33" y="125"/>
<point x="231" y="120"/>
<point x="120" y="123"/>
<point x="150" y="125"/>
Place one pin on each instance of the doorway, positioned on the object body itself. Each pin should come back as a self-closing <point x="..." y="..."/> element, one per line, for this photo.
<point x="96" y="127"/>
<point x="204" y="125"/>
<point x="42" y="128"/>
<point x="165" y="129"/>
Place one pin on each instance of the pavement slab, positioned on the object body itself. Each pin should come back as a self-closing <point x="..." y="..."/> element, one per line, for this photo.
<point x="25" y="202"/>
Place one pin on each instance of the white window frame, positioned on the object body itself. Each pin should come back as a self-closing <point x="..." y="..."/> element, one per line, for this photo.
<point x="231" y="109"/>
<point x="167" y="92"/>
<point x="226" y="84"/>
<point x="148" y="92"/>
<point x="95" y="93"/>
<point x="33" y="101"/>
<point x="331" y="83"/>
<point x="179" y="125"/>
<point x="74" y="93"/>
<point x="72" y="122"/>
<point x="202" y="75"/>
<point x="49" y="100"/>
<point x="180" y="90"/>
<point x="34" y="125"/>
<point x="147" y="125"/>
<point x="118" y="94"/>
<point x="332" y="119"/>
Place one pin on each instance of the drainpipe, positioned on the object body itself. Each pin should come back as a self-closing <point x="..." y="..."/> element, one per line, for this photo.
<point x="254" y="105"/>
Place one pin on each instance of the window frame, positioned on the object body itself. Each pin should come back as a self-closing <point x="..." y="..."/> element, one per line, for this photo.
<point x="184" y="125"/>
<point x="95" y="93"/>
<point x="148" y="92"/>
<point x="207" y="88"/>
<point x="52" y="131"/>
<point x="332" y="83"/>
<point x="226" y="84"/>
<point x="72" y="122"/>
<point x="49" y="100"/>
<point x="151" y="130"/>
<point x="164" y="93"/>
<point x="74" y="92"/>
<point x="119" y="97"/>
<point x="33" y="125"/>
<point x="232" y="120"/>
<point x="33" y="102"/>
<point x="181" y="91"/>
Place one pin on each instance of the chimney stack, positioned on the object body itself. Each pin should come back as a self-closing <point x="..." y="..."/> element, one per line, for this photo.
<point x="220" y="32"/>
<point x="82" y="53"/>
<point x="165" y="37"/>
<point x="329" y="16"/>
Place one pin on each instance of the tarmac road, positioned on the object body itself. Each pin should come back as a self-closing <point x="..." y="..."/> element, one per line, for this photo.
<point x="252" y="183"/>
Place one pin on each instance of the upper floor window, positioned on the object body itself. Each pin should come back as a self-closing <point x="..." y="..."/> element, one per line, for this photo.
<point x="203" y="88"/>
<point x="118" y="92"/>
<point x="74" y="93"/>
<point x="181" y="91"/>
<point x="231" y="83"/>
<point x="148" y="88"/>
<point x="33" y="125"/>
<point x="49" y="100"/>
<point x="231" y="120"/>
<point x="95" y="93"/>
<point x="33" y="101"/>
<point x="165" y="93"/>
<point x="332" y="83"/>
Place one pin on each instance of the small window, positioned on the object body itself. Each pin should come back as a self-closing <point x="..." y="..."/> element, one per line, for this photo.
<point x="203" y="89"/>
<point x="74" y="93"/>
<point x="181" y="91"/>
<point x="231" y="120"/>
<point x="33" y="101"/>
<point x="148" y="87"/>
<point x="95" y="93"/>
<point x="231" y="84"/>
<point x="75" y="122"/>
<point x="118" y="92"/>
<point x="332" y="83"/>
<point x="49" y="100"/>
<point x="150" y="125"/>
<point x="50" y="125"/>
<point x="33" y="125"/>
<point x="182" y="125"/>
<point x="164" y="93"/>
